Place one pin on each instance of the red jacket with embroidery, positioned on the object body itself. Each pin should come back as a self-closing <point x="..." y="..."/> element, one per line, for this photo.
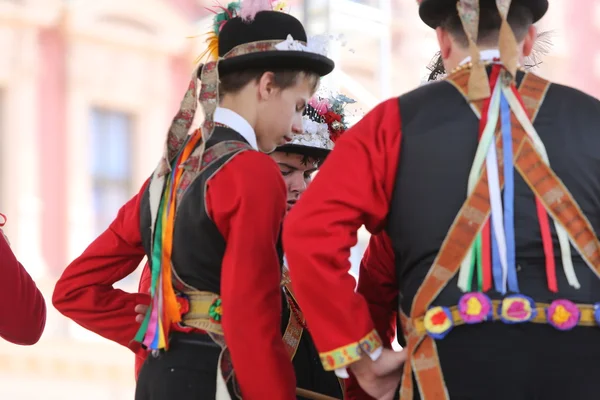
<point x="85" y="293"/>
<point x="321" y="229"/>
<point x="377" y="284"/>
<point x="23" y="310"/>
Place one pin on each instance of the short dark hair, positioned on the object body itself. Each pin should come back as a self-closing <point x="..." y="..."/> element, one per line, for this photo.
<point x="234" y="82"/>
<point x="520" y="18"/>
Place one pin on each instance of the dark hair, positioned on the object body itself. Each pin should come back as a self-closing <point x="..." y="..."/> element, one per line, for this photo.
<point x="519" y="18"/>
<point x="234" y="82"/>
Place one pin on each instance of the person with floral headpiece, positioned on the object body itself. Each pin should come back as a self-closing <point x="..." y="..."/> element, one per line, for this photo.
<point x="215" y="271"/>
<point x="487" y="184"/>
<point x="23" y="311"/>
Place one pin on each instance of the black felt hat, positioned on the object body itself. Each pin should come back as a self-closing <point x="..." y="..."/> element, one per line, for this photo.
<point x="268" y="26"/>
<point x="433" y="12"/>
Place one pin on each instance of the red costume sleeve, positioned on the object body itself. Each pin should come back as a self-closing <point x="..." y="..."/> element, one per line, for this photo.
<point x="247" y="201"/>
<point x="377" y="283"/>
<point x="85" y="292"/>
<point x="23" y="310"/>
<point x="354" y="187"/>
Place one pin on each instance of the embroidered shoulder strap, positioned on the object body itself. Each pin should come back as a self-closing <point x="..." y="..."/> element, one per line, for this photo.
<point x="192" y="169"/>
<point x="294" y="329"/>
<point x="557" y="200"/>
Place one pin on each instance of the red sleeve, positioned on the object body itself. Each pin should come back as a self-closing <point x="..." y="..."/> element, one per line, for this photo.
<point x="23" y="310"/>
<point x="247" y="200"/>
<point x="377" y="283"/>
<point x="85" y="292"/>
<point x="354" y="187"/>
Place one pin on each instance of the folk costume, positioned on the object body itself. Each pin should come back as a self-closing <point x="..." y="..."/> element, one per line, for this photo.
<point x="324" y="122"/>
<point x="487" y="185"/>
<point x="210" y="277"/>
<point x="85" y="292"/>
<point x="23" y="314"/>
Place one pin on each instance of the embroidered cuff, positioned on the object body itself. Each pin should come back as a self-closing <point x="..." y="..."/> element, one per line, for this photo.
<point x="341" y="357"/>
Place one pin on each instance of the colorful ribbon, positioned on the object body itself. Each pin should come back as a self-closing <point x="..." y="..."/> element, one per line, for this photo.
<point x="509" y="195"/>
<point x="563" y="238"/>
<point x="164" y="309"/>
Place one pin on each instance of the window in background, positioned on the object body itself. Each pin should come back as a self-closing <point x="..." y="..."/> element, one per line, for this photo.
<point x="110" y="164"/>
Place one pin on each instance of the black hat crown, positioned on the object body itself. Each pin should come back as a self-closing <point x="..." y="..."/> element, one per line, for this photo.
<point x="433" y="12"/>
<point x="268" y="26"/>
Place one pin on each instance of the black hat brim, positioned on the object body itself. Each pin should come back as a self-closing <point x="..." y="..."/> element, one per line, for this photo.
<point x="307" y="151"/>
<point x="433" y="12"/>
<point x="275" y="59"/>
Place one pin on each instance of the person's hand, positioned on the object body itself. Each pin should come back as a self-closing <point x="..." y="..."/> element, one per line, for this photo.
<point x="381" y="378"/>
<point x="141" y="310"/>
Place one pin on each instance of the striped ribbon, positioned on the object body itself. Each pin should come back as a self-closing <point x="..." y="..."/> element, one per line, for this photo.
<point x="164" y="309"/>
<point x="498" y="234"/>
<point x="563" y="238"/>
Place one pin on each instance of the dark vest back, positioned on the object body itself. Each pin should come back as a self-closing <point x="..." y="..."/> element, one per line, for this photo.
<point x="198" y="246"/>
<point x="439" y="140"/>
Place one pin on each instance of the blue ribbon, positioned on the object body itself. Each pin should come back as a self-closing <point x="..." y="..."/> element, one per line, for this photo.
<point x="509" y="195"/>
<point x="496" y="264"/>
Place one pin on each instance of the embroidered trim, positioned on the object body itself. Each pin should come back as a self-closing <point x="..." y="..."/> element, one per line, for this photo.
<point x="346" y="355"/>
<point x="295" y="327"/>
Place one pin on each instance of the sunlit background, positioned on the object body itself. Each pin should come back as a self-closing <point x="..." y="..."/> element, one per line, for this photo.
<point x="87" y="91"/>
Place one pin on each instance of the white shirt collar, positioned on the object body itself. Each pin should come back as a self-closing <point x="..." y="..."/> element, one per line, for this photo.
<point x="484" y="55"/>
<point x="238" y="123"/>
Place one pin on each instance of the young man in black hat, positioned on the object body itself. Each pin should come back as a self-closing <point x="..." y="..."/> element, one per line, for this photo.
<point x="216" y="263"/>
<point x="479" y="202"/>
<point x="218" y="259"/>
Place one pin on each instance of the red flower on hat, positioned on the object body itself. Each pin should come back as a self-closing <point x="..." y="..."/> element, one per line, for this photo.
<point x="330" y="117"/>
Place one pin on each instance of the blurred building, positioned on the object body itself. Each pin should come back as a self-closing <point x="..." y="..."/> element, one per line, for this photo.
<point x="87" y="92"/>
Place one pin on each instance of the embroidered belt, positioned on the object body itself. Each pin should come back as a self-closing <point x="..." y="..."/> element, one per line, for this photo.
<point x="201" y="310"/>
<point x="476" y="308"/>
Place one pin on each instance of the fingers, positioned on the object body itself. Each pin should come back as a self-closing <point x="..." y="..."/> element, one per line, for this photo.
<point x="141" y="310"/>
<point x="389" y="362"/>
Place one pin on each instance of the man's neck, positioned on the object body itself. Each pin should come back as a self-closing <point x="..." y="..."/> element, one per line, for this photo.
<point x="239" y="104"/>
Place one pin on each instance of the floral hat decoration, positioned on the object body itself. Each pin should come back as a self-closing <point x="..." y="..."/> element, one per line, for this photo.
<point x="324" y="121"/>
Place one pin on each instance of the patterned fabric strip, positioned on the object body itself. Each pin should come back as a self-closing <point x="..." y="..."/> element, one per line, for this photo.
<point x="563" y="238"/>
<point x="423" y="357"/>
<point x="479" y="87"/>
<point x="293" y="331"/>
<point x="507" y="43"/>
<point x="346" y="355"/>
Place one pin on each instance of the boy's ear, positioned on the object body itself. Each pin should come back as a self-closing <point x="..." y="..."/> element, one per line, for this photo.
<point x="266" y="85"/>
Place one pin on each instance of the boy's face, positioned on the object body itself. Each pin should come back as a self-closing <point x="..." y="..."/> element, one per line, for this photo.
<point x="280" y="112"/>
<point x="297" y="171"/>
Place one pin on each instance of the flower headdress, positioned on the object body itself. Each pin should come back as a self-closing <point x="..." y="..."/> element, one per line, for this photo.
<point x="324" y="121"/>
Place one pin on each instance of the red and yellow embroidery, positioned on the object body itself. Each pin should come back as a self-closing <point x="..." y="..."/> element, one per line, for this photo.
<point x="346" y="355"/>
